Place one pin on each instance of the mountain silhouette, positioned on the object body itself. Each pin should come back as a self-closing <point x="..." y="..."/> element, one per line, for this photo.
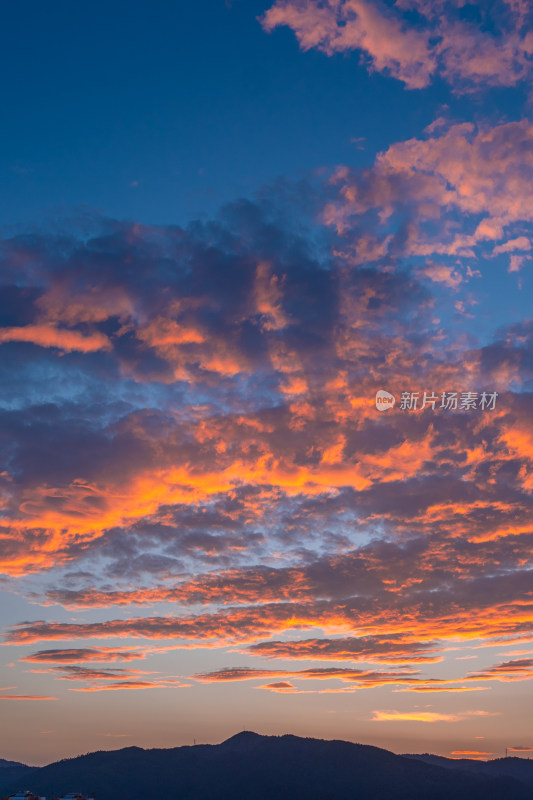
<point x="13" y="772"/>
<point x="520" y="768"/>
<point x="6" y="764"/>
<point x="249" y="766"/>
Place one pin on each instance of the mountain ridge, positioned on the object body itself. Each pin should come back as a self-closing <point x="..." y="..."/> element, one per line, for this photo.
<point x="250" y="766"/>
<point x="511" y="766"/>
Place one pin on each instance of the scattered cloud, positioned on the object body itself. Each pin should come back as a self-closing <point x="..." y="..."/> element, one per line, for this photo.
<point x="492" y="49"/>
<point x="219" y="460"/>
<point x="516" y="670"/>
<point x="83" y="654"/>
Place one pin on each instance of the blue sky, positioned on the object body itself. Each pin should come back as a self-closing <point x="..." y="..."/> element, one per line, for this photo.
<point x="163" y="114"/>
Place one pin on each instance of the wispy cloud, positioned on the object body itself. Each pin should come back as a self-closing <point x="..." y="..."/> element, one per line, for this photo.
<point x="25" y="697"/>
<point x="425" y="716"/>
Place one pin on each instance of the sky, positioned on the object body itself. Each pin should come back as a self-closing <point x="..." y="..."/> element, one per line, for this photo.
<point x="267" y="374"/>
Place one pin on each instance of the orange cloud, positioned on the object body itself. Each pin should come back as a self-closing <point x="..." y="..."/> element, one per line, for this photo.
<point x="81" y="655"/>
<point x="424" y="716"/>
<point x="280" y="686"/>
<point x="25" y="697"/>
<point x="118" y="685"/>
<point x="261" y="520"/>
<point x="443" y="689"/>
<point x="131" y="685"/>
<point x="414" y="716"/>
<point x="250" y="624"/>
<point x="517" y="670"/>
<point x="288" y="688"/>
<point x="77" y="673"/>
<point x="61" y="338"/>
<point x="360" y="678"/>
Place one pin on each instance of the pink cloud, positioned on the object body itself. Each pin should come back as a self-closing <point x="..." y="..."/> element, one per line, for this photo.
<point x="463" y="188"/>
<point x="465" y="54"/>
<point x="61" y="338"/>
<point x="358" y="25"/>
<point x="439" y="273"/>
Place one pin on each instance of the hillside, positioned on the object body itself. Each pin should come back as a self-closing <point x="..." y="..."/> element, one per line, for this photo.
<point x="252" y="767"/>
<point x="519" y="768"/>
<point x="12" y="772"/>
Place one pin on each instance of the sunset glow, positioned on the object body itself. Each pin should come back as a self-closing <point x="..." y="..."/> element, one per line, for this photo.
<point x="228" y="242"/>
